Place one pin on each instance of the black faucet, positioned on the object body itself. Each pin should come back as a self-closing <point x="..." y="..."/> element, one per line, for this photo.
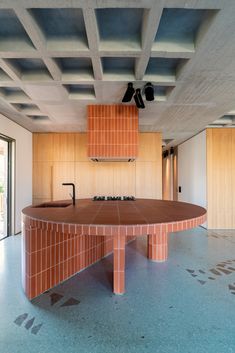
<point x="73" y="197"/>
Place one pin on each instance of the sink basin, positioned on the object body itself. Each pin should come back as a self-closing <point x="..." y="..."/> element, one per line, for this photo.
<point x="52" y="205"/>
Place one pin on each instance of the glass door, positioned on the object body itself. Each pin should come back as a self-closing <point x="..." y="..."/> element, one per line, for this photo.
<point x="5" y="187"/>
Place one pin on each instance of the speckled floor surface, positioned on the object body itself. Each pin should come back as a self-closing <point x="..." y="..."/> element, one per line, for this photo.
<point x="186" y="305"/>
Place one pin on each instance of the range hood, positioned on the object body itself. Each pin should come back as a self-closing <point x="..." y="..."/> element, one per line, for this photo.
<point x="112" y="133"/>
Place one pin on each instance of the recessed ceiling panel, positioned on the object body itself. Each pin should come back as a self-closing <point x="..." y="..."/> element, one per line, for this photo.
<point x="163" y="69"/>
<point x="120" y="28"/>
<point x="76" y="68"/>
<point x="31" y="69"/>
<point x="14" y="95"/>
<point x="178" y="29"/>
<point x="161" y="93"/>
<point x="118" y="68"/>
<point x="62" y="27"/>
<point x="41" y="119"/>
<point x="80" y="91"/>
<point x="12" y="34"/>
<point x="4" y="76"/>
<point x="27" y="108"/>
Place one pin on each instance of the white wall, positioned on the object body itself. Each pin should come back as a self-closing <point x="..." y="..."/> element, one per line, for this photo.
<point x="23" y="166"/>
<point x="192" y="170"/>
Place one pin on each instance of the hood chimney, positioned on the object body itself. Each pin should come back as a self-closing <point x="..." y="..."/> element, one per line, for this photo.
<point x="112" y="132"/>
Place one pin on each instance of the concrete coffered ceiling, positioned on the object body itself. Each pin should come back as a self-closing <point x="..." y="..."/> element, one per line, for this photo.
<point x="58" y="56"/>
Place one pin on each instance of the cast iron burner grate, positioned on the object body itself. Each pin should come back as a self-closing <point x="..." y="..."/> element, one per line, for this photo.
<point x="113" y="198"/>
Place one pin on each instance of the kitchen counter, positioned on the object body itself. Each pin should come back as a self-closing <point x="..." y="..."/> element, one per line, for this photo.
<point x="60" y="239"/>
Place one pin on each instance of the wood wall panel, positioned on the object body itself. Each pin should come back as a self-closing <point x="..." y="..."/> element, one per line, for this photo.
<point x="63" y="172"/>
<point x="150" y="147"/>
<point x="70" y="163"/>
<point x="81" y="148"/>
<point x="42" y="180"/>
<point x="124" y="182"/>
<point x="148" y="180"/>
<point x="85" y="179"/>
<point x="43" y="147"/>
<point x="64" y="147"/>
<point x="221" y="178"/>
<point x="103" y="178"/>
<point x="233" y="177"/>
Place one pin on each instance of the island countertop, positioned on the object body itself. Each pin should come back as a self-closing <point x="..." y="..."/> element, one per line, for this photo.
<point x="140" y="211"/>
<point x="61" y="239"/>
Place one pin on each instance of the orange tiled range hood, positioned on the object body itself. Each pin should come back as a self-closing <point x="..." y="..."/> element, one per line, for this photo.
<point x="112" y="132"/>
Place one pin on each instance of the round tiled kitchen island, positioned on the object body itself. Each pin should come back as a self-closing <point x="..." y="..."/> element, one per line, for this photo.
<point x="60" y="239"/>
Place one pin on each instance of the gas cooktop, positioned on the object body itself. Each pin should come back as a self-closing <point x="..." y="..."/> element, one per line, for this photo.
<point x="113" y="198"/>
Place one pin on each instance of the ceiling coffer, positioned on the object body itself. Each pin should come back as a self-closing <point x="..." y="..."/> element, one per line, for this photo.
<point x="112" y="132"/>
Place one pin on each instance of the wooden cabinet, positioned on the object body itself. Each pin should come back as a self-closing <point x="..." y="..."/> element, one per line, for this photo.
<point x="63" y="157"/>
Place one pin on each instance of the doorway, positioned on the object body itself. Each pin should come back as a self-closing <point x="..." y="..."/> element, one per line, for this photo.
<point x="6" y="149"/>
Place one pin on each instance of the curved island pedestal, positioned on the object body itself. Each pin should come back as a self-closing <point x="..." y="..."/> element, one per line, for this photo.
<point x="60" y="239"/>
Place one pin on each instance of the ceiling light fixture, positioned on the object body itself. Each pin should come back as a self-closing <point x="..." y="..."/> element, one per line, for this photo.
<point x="138" y="99"/>
<point x="129" y="93"/>
<point x="149" y="91"/>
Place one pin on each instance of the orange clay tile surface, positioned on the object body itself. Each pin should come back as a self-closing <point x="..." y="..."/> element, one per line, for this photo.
<point x="58" y="242"/>
<point x="112" y="131"/>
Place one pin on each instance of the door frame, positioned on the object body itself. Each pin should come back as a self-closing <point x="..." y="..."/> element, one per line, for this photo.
<point x="10" y="184"/>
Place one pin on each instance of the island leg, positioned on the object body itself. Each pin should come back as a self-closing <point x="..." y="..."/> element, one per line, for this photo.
<point x="119" y="242"/>
<point x="158" y="246"/>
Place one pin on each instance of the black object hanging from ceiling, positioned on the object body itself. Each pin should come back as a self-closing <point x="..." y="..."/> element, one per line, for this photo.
<point x="149" y="91"/>
<point x="129" y="93"/>
<point x="138" y="99"/>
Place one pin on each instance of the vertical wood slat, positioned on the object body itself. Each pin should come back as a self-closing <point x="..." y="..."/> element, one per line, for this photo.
<point x="221" y="178"/>
<point x="112" y="131"/>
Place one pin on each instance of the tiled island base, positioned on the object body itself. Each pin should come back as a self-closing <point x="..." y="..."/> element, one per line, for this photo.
<point x="53" y="252"/>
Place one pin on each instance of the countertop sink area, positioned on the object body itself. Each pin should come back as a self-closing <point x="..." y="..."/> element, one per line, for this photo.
<point x="52" y="205"/>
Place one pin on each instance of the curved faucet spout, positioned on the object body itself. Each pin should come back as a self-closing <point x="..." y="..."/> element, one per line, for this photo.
<point x="73" y="196"/>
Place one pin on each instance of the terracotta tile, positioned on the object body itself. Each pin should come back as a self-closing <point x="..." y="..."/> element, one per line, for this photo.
<point x="44" y="239"/>
<point x="32" y="287"/>
<point x="53" y="276"/>
<point x="53" y="255"/>
<point x="44" y="281"/>
<point x="60" y="227"/>
<point x="119" y="260"/>
<point x="61" y="272"/>
<point x="57" y="254"/>
<point x="33" y="239"/>
<point x="100" y="230"/>
<point x="48" y="257"/>
<point x="85" y="230"/>
<point x="27" y="286"/>
<point x="149" y="251"/>
<point x="54" y="227"/>
<point x="39" y="261"/>
<point x="137" y="230"/>
<point x="144" y="230"/>
<point x="44" y="260"/>
<point x="27" y="240"/>
<point x="115" y="230"/>
<point x="48" y="278"/>
<point x="65" y="228"/>
<point x="49" y="226"/>
<point x="118" y="282"/>
<point x="65" y="269"/>
<point x="123" y="230"/>
<point x="39" y="284"/>
<point x="78" y="229"/>
<point x="65" y="250"/>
